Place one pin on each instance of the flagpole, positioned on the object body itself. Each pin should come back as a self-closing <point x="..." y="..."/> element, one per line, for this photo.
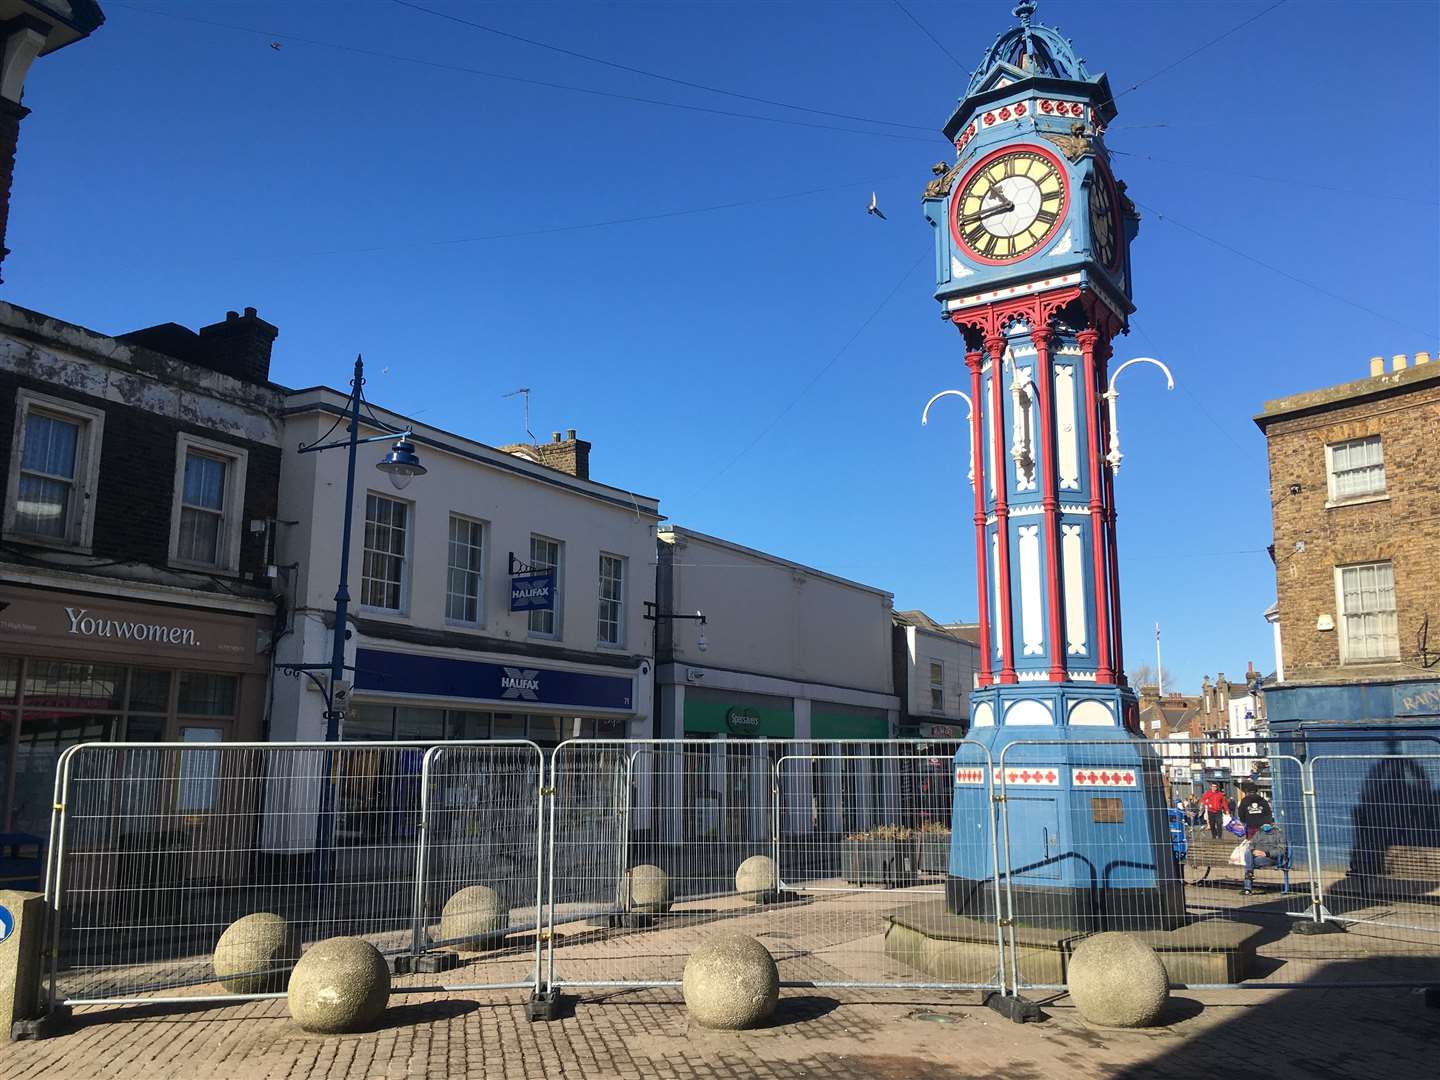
<point x="1159" y="670"/>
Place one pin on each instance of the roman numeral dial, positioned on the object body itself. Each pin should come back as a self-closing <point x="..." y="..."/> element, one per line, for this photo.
<point x="1009" y="205"/>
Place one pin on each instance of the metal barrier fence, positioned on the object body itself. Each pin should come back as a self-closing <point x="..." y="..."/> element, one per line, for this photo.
<point x="859" y="864"/>
<point x="807" y="845"/>
<point x="158" y="848"/>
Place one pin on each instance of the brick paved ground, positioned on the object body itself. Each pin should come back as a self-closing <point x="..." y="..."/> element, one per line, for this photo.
<point x="1387" y="1035"/>
<point x="842" y="1034"/>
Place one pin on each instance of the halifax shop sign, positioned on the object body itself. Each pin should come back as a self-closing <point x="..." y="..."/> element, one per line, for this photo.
<point x="443" y="676"/>
<point x="533" y="592"/>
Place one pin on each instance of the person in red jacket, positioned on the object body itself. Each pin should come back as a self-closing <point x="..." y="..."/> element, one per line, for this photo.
<point x="1216" y="806"/>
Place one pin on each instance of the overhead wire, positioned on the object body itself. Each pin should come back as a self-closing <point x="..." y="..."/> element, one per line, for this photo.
<point x="1202" y="167"/>
<point x="926" y="31"/>
<point x="834" y="359"/>
<point x="589" y="58"/>
<point x="523" y="80"/>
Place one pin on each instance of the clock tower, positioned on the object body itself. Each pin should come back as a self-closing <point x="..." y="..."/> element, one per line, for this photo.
<point x="1032" y="267"/>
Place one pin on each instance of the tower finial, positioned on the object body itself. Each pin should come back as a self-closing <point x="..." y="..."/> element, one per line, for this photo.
<point x="1023" y="11"/>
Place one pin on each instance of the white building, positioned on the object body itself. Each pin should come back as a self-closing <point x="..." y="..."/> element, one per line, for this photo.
<point x="935" y="669"/>
<point x="438" y="652"/>
<point x="789" y="652"/>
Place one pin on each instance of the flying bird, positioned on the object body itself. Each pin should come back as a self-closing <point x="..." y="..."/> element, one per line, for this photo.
<point x="874" y="208"/>
<point x="274" y="45"/>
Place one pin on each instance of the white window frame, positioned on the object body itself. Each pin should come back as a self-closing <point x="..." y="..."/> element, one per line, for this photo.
<point x="937" y="685"/>
<point x="558" y="594"/>
<point x="479" y="620"/>
<point x="1343" y="627"/>
<point x="232" y="516"/>
<point x="81" y="528"/>
<point x="1334" y="498"/>
<point x="619" y="642"/>
<point x="405" y="557"/>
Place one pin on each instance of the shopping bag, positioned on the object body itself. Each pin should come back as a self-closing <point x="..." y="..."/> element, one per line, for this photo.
<point x="1234" y="828"/>
<point x="1237" y="857"/>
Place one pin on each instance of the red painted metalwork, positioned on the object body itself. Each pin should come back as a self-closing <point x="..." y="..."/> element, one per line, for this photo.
<point x="995" y="346"/>
<point x="1105" y="670"/>
<point x="1043" y="337"/>
<point x="973" y="359"/>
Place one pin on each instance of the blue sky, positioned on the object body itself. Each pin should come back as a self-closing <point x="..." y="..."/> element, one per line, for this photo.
<point x="760" y="368"/>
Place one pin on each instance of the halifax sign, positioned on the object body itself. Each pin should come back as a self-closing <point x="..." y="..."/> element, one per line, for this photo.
<point x="533" y="592"/>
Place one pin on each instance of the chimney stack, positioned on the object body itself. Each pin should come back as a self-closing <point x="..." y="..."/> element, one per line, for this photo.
<point x="566" y="453"/>
<point x="1377" y="366"/>
<point x="1399" y="362"/>
<point x="1422" y="358"/>
<point x="240" y="346"/>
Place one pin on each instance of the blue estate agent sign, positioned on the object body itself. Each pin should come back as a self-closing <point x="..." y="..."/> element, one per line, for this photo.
<point x="522" y="681"/>
<point x="7" y="922"/>
<point x="533" y="592"/>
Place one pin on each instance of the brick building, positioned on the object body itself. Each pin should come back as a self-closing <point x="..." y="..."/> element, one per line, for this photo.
<point x="1356" y="494"/>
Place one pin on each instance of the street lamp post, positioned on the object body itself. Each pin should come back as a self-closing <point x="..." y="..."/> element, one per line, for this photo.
<point x="402" y="465"/>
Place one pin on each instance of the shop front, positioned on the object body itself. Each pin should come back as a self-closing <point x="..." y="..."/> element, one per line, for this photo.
<point x="78" y="667"/>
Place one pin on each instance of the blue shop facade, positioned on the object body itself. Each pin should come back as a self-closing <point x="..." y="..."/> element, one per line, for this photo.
<point x="435" y="696"/>
<point x="1371" y="750"/>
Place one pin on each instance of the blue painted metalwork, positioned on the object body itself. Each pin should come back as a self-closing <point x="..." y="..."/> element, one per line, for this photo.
<point x="1031" y="48"/>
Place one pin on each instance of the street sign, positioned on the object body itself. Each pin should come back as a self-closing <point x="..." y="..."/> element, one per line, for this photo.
<point x="7" y="922"/>
<point x="533" y="592"/>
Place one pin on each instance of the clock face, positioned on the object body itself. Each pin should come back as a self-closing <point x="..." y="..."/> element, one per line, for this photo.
<point x="1104" y="221"/>
<point x="1009" y="205"/>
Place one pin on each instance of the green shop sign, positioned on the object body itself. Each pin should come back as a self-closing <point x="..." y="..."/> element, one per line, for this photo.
<point x="742" y="722"/>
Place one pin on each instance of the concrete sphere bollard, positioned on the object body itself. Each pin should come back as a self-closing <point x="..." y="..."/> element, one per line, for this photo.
<point x="756" y="878"/>
<point x="255" y="954"/>
<point x="647" y="890"/>
<point x="340" y="985"/>
<point x="471" y="917"/>
<point x="731" y="983"/>
<point x="1117" y="981"/>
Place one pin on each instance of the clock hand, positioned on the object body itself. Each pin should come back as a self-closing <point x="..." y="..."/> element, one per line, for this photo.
<point x="998" y="208"/>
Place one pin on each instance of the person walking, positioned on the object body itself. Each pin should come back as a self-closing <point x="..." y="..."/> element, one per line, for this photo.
<point x="1215" y="805"/>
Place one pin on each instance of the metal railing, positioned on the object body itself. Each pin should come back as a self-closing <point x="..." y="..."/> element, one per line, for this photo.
<point x="859" y="864"/>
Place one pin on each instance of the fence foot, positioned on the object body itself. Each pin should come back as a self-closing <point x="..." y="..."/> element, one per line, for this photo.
<point x="41" y="1027"/>
<point x="1318" y="926"/>
<point x="544" y="1004"/>
<point x="432" y="963"/>
<point x="1016" y="1008"/>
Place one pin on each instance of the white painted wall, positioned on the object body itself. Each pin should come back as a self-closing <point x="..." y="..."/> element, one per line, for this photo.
<point x="513" y="497"/>
<point x="959" y="658"/>
<point x="773" y="617"/>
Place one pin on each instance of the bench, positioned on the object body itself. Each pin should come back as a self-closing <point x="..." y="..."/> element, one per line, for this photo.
<point x="1202" y="851"/>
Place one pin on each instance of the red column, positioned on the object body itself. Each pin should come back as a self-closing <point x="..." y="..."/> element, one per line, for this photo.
<point x="1112" y="549"/>
<point x="995" y="345"/>
<point x="1043" y="337"/>
<point x="1105" y="671"/>
<point x="973" y="360"/>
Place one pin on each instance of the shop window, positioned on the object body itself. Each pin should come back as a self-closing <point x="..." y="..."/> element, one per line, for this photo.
<point x="209" y="504"/>
<point x="545" y="554"/>
<point x="198" y="769"/>
<point x="611" y="626"/>
<point x="149" y="691"/>
<point x="57" y="449"/>
<point x="61" y="684"/>
<point x="509" y="726"/>
<point x="383" y="578"/>
<point x="420" y="725"/>
<point x="467" y="725"/>
<point x="465" y="585"/>
<point x="369" y="723"/>
<point x="203" y="694"/>
<point x="145" y="729"/>
<point x="9" y="677"/>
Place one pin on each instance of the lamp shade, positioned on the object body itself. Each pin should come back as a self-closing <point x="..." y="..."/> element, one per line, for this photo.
<point x="401" y="464"/>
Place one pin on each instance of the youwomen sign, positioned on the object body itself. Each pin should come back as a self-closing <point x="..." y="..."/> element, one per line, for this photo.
<point x="533" y="592"/>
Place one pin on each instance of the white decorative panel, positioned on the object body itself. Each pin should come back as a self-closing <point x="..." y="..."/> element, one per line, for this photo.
<point x="1031" y="591"/>
<point x="1024" y="424"/>
<point x="1029" y="713"/>
<point x="989" y="442"/>
<point x="984" y="716"/>
<point x="1092" y="714"/>
<point x="1065" y="419"/>
<point x="1073" y="570"/>
<point x="996" y="625"/>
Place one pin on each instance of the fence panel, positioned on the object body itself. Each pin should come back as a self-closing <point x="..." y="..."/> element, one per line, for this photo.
<point x="1376" y="845"/>
<point x="159" y="848"/>
<point x="1101" y="835"/>
<point x="824" y="851"/>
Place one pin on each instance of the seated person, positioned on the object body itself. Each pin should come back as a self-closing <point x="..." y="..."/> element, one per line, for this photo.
<point x="1269" y="847"/>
